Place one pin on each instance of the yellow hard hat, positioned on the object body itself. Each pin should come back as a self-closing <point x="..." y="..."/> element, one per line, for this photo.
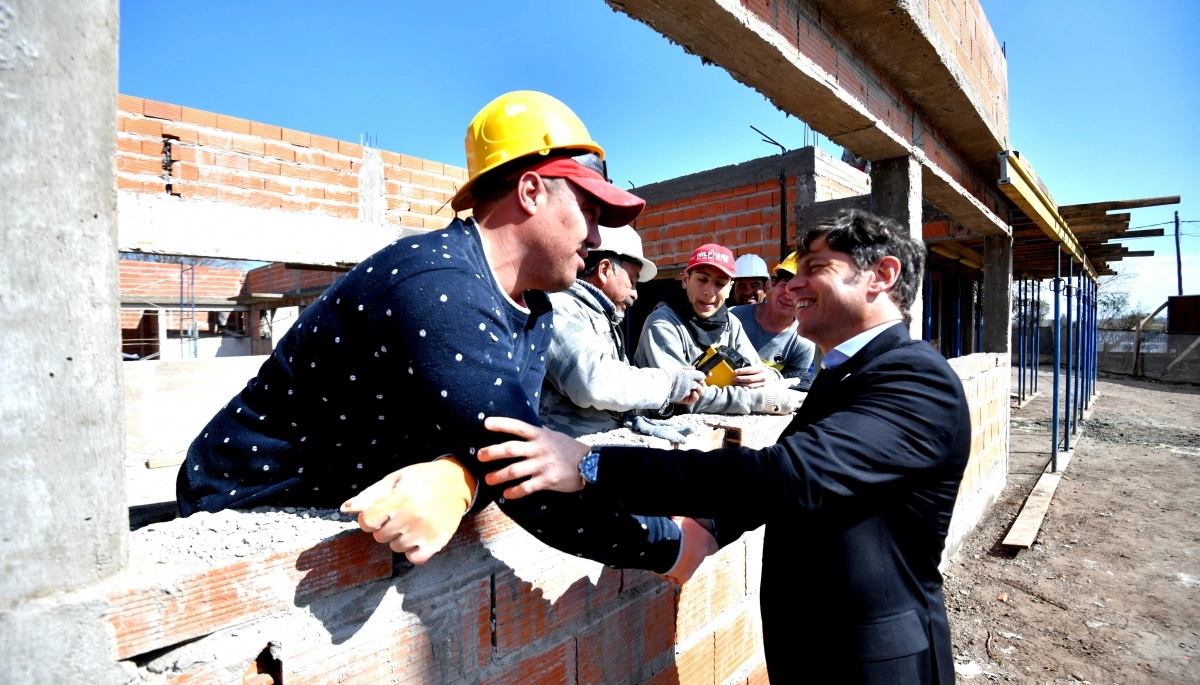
<point x="789" y="264"/>
<point x="516" y="124"/>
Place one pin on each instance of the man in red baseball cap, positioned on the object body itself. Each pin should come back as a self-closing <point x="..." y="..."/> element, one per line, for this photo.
<point x="693" y="319"/>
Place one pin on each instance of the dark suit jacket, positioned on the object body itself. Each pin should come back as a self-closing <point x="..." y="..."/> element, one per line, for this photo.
<point x="858" y="494"/>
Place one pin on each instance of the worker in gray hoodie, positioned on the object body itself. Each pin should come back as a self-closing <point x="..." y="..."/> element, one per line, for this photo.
<point x="691" y="320"/>
<point x="590" y="386"/>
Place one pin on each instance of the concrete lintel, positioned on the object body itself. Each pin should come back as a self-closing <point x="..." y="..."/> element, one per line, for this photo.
<point x="160" y="224"/>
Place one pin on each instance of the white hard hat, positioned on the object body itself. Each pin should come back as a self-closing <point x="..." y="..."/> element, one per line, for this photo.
<point x="625" y="241"/>
<point x="751" y="266"/>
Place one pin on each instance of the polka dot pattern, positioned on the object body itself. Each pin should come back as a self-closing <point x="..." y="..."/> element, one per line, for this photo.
<point x="389" y="368"/>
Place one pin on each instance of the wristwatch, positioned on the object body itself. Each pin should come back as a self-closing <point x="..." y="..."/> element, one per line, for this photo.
<point x="590" y="465"/>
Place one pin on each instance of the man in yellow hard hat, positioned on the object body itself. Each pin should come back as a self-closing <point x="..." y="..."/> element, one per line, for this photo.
<point x="375" y="399"/>
<point x="772" y="329"/>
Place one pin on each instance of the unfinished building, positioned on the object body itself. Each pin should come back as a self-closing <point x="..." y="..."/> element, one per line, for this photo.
<point x="919" y="89"/>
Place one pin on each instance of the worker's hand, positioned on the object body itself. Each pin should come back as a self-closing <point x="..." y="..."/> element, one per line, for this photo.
<point x="417" y="509"/>
<point x="697" y="544"/>
<point x="778" y="398"/>
<point x="686" y="385"/>
<point x="752" y="377"/>
<point x="550" y="460"/>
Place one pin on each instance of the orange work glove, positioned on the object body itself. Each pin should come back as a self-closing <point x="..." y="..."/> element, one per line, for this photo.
<point x="417" y="509"/>
<point x="697" y="544"/>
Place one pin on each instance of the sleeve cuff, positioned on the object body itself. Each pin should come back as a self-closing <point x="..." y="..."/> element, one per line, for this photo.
<point x="679" y="555"/>
<point x="474" y="493"/>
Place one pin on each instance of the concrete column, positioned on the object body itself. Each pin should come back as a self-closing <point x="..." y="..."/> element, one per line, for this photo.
<point x="997" y="293"/>
<point x="372" y="203"/>
<point x="896" y="194"/>
<point x="63" y="519"/>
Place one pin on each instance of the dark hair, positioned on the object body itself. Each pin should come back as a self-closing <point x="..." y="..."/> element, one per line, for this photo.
<point x="868" y="238"/>
<point x="592" y="263"/>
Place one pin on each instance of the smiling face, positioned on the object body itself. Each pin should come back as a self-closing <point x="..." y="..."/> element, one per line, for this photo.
<point x="707" y="288"/>
<point x="832" y="297"/>
<point x="749" y="290"/>
<point x="779" y="299"/>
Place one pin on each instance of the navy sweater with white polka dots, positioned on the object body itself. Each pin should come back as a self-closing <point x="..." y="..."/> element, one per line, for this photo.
<point x="399" y="362"/>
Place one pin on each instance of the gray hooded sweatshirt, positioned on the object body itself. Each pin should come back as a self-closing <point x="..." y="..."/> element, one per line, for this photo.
<point x="589" y="382"/>
<point x="666" y="343"/>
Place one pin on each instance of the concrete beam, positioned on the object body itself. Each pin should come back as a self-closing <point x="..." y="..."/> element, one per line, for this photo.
<point x="896" y="194"/>
<point x="161" y="224"/>
<point x="63" y="522"/>
<point x="806" y="67"/>
<point x="903" y="40"/>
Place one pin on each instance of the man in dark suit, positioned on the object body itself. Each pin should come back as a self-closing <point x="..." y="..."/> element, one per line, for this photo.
<point x="858" y="491"/>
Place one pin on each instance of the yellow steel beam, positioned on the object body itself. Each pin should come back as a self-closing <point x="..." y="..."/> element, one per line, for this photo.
<point x="1018" y="182"/>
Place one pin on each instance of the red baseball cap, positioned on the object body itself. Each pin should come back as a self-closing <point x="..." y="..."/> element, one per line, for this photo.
<point x="713" y="255"/>
<point x="619" y="208"/>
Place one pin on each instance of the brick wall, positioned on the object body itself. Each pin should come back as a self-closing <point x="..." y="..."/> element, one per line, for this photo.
<point x="738" y="206"/>
<point x="277" y="278"/>
<point x="227" y="159"/>
<point x="963" y="28"/>
<point x="154" y="279"/>
<point x="158" y="281"/>
<point x="986" y="380"/>
<point x="496" y="606"/>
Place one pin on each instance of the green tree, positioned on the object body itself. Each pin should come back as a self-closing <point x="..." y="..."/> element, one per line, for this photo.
<point x="1112" y="295"/>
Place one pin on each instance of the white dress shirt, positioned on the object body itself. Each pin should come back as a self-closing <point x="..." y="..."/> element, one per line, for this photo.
<point x="838" y="355"/>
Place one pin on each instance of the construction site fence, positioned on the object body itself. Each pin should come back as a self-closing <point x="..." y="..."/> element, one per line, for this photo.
<point x="1164" y="355"/>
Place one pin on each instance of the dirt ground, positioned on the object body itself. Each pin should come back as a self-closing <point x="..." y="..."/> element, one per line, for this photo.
<point x="1110" y="592"/>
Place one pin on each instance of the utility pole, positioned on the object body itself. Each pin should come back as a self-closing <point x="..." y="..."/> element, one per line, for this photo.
<point x="783" y="236"/>
<point x="1178" y="258"/>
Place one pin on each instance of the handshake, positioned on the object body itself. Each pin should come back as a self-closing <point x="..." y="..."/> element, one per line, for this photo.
<point x="417" y="509"/>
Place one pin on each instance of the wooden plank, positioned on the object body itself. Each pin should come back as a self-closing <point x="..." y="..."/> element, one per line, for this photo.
<point x="1018" y="183"/>
<point x="152" y="608"/>
<point x="1147" y="233"/>
<point x="163" y="462"/>
<point x="1025" y="529"/>
<point x="160" y="224"/>
<point x="1096" y="207"/>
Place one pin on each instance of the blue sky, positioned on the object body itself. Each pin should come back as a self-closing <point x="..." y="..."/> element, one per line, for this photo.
<point x="1104" y="96"/>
